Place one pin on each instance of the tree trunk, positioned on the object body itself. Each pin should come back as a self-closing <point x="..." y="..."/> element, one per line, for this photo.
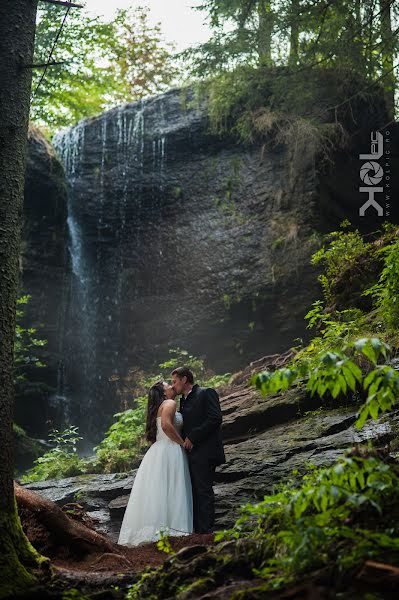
<point x="358" y="17"/>
<point x="353" y="48"/>
<point x="294" y="33"/>
<point x="387" y="57"/>
<point x="265" y="32"/>
<point x="17" y="32"/>
<point x="369" y="36"/>
<point x="65" y="533"/>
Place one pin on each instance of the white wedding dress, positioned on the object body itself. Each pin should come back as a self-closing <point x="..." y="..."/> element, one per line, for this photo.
<point x="161" y="496"/>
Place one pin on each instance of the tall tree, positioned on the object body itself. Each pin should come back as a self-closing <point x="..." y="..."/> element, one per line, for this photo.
<point x="250" y="24"/>
<point x="142" y="60"/>
<point x="104" y="63"/>
<point x="265" y="31"/>
<point x="17" y="31"/>
<point x="294" y="33"/>
<point x="83" y="84"/>
<point x="357" y="37"/>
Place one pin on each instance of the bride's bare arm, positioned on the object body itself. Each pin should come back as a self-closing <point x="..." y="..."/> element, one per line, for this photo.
<point x="167" y="416"/>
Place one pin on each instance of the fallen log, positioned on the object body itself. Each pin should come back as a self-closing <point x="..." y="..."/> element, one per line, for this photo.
<point x="54" y="533"/>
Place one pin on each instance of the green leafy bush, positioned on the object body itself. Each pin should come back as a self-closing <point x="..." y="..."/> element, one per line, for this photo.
<point x="61" y="461"/>
<point x="386" y="291"/>
<point x="338" y="362"/>
<point x="342" y="514"/>
<point x="340" y="252"/>
<point x="25" y="343"/>
<point x="163" y="544"/>
<point x="179" y="357"/>
<point x="337" y="372"/>
<point x="124" y="440"/>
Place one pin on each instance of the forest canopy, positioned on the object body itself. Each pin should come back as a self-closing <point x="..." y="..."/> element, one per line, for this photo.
<point x="102" y="64"/>
<point x="106" y="63"/>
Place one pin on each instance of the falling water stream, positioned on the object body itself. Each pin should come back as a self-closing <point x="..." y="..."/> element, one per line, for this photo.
<point x="103" y="246"/>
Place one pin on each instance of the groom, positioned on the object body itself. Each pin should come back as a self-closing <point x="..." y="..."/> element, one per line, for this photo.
<point x="202" y="419"/>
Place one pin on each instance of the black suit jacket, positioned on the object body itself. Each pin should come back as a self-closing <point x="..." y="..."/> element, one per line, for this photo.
<point x="202" y="419"/>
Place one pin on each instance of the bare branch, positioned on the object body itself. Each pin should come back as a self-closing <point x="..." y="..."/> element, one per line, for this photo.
<point x="44" y="65"/>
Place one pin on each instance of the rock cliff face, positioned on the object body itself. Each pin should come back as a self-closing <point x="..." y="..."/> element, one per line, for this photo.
<point x="45" y="275"/>
<point x="174" y="238"/>
<point x="179" y="239"/>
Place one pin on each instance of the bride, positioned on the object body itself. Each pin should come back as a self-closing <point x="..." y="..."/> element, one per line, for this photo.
<point x="161" y="497"/>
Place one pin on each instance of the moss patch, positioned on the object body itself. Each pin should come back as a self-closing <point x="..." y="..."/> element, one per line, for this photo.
<point x="18" y="558"/>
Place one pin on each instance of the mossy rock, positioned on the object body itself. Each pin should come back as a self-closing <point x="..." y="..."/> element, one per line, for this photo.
<point x="26" y="449"/>
<point x="196" y="588"/>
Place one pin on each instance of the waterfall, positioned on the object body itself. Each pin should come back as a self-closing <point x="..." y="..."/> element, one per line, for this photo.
<point x="79" y="362"/>
<point x="69" y="146"/>
<point x="99" y="241"/>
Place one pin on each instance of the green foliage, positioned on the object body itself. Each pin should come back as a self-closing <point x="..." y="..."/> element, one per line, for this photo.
<point x="217" y="381"/>
<point x="330" y="364"/>
<point x="124" y="440"/>
<point x="66" y="440"/>
<point x="352" y="482"/>
<point x="226" y="49"/>
<point x="337" y="372"/>
<point x="277" y="243"/>
<point x="181" y="357"/>
<point x="105" y="64"/>
<point x="80" y="87"/>
<point x="386" y="291"/>
<point x="61" y="461"/>
<point x="299" y="35"/>
<point x="263" y="105"/>
<point x="177" y="192"/>
<point x="349" y="268"/>
<point x="163" y="544"/>
<point x="73" y="594"/>
<point x="142" y="59"/>
<point x="343" y="250"/>
<point x="382" y="385"/>
<point x="25" y="343"/>
<point x="339" y="513"/>
<point x="134" y="591"/>
<point x="18" y="431"/>
<point x="260" y="65"/>
<point x="336" y="331"/>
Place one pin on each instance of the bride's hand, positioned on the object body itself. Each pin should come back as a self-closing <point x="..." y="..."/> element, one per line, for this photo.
<point x="188" y="444"/>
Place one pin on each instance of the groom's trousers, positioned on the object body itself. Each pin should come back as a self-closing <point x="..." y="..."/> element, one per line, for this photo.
<point x="202" y="477"/>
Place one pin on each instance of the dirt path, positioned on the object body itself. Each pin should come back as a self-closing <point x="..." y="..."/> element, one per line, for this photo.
<point x="133" y="560"/>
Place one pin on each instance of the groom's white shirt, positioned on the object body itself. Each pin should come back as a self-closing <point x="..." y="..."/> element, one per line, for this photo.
<point x="185" y="397"/>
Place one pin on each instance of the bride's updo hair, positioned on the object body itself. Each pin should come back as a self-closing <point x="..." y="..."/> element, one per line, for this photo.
<point x="156" y="396"/>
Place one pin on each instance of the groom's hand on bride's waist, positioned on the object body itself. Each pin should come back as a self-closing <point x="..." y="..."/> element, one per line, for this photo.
<point x="188" y="444"/>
